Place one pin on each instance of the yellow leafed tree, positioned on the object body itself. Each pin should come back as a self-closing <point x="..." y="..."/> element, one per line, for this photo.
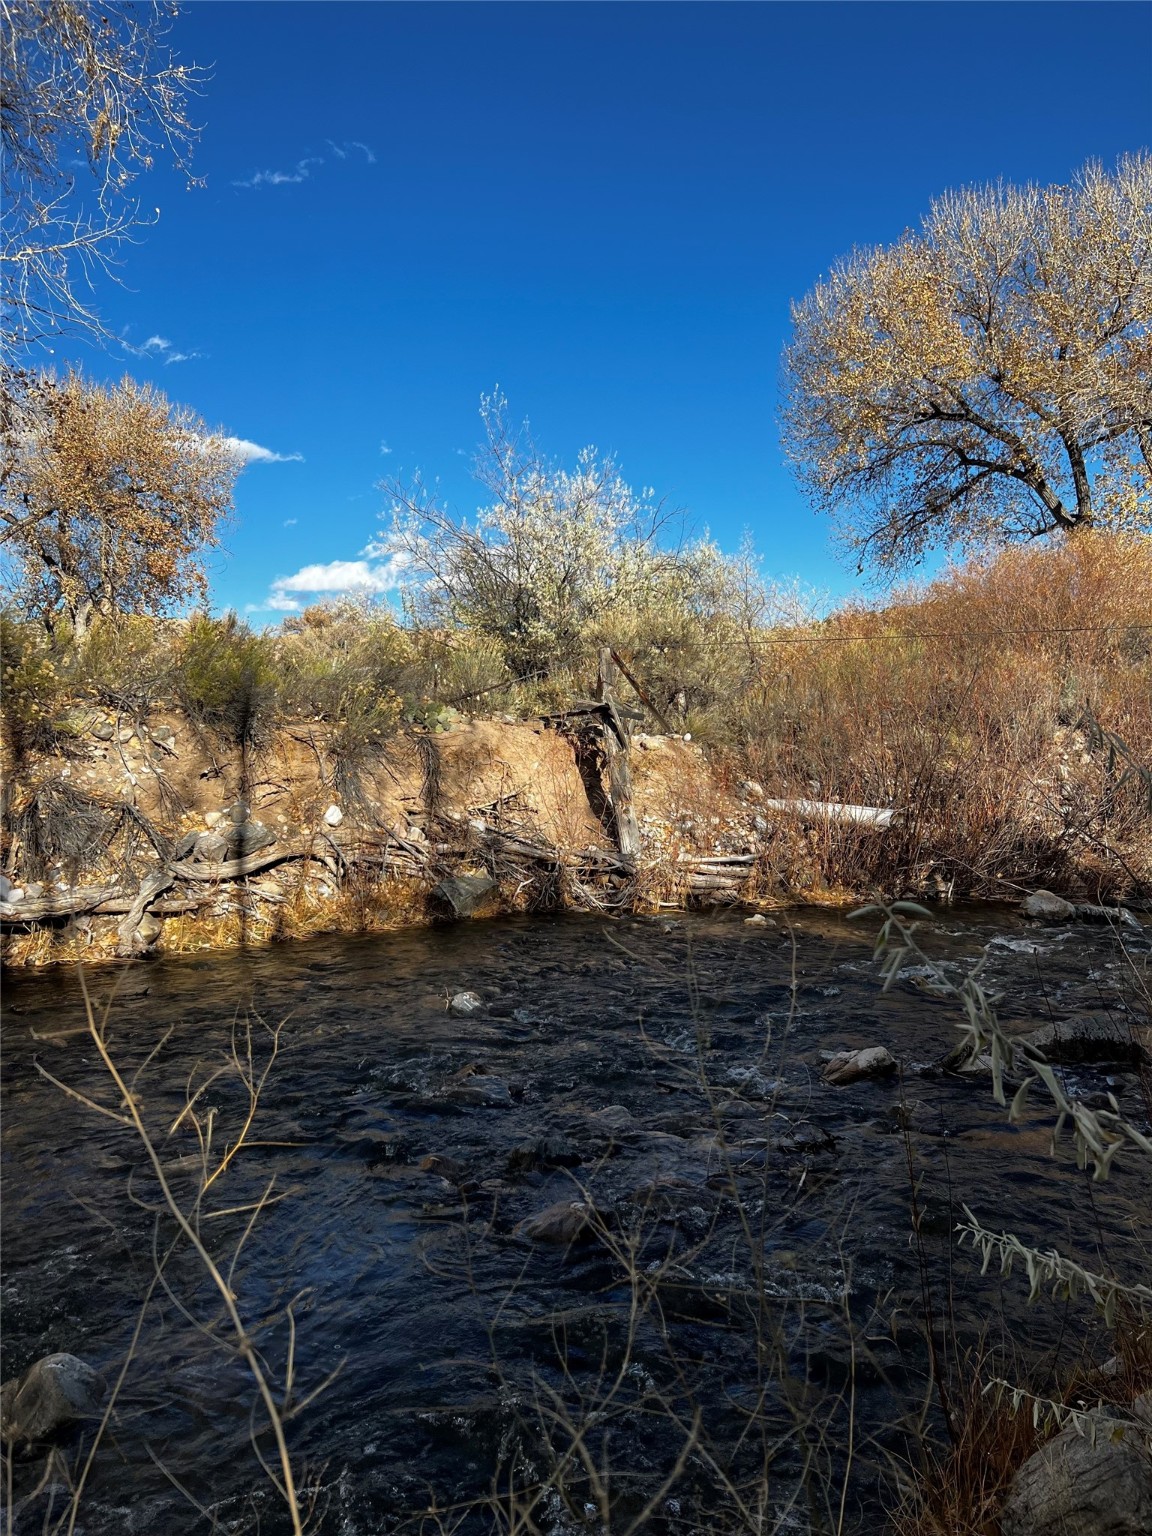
<point x="986" y="378"/>
<point x="110" y="498"/>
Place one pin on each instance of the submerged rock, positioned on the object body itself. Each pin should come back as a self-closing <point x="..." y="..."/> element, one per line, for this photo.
<point x="851" y="1066"/>
<point x="547" y="1152"/>
<point x="53" y="1393"/>
<point x="1120" y="917"/>
<point x="1077" y="1486"/>
<point x="614" y="1118"/>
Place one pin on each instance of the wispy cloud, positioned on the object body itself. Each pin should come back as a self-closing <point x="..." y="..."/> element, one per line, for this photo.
<point x="160" y="348"/>
<point x="290" y="522"/>
<point x="302" y="170"/>
<point x="341" y="150"/>
<point x="384" y="449"/>
<point x="335" y="578"/>
<point x="245" y="452"/>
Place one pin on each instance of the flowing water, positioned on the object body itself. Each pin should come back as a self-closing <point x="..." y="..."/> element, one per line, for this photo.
<point x="738" y="1326"/>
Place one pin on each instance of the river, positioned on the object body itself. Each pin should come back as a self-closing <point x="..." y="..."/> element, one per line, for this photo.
<point x="734" y="1340"/>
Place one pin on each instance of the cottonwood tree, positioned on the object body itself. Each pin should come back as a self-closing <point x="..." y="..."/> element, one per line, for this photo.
<point x="110" y="498"/>
<point x="988" y="377"/>
<point x="88" y="87"/>
<point x="558" y="558"/>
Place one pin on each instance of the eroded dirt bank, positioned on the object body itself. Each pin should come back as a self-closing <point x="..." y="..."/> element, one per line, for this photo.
<point x="137" y="837"/>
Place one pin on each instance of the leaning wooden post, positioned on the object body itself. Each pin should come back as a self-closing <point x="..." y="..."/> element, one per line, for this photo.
<point x="616" y="759"/>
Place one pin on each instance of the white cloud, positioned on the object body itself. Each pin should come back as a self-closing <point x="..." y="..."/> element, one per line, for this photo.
<point x="384" y="449"/>
<point x="159" y="347"/>
<point x="302" y="170"/>
<point x="290" y="522"/>
<point x="334" y="578"/>
<point x="252" y="453"/>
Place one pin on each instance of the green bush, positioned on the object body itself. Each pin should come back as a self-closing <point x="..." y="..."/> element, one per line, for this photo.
<point x="224" y="677"/>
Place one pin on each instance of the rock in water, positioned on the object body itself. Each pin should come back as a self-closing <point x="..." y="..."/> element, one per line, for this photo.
<point x="850" y="1066"/>
<point x="463" y="894"/>
<point x="562" y="1223"/>
<point x="1048" y="907"/>
<point x="53" y="1393"/>
<point x="465" y="1004"/>
<point x="1118" y="917"/>
<point x="1072" y="1487"/>
<point x="1089" y="1037"/>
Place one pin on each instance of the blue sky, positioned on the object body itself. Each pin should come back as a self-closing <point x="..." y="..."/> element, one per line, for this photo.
<point x="603" y="208"/>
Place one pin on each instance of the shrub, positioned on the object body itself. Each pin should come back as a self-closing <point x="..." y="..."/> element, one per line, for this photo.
<point x="224" y="677"/>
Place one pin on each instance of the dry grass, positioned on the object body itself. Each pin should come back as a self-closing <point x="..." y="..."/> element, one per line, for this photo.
<point x="958" y="1488"/>
<point x="962" y="707"/>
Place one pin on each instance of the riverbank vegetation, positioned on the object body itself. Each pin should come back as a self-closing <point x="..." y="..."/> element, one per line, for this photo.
<point x="1003" y="711"/>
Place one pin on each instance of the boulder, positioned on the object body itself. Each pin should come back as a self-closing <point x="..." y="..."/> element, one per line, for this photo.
<point x="53" y="1393"/>
<point x="462" y="895"/>
<point x="464" y="1004"/>
<point x="1048" y="907"/>
<point x="103" y="730"/>
<point x="1080" y="1485"/>
<point x="333" y="816"/>
<point x="186" y="847"/>
<point x="210" y="848"/>
<point x="239" y="813"/>
<point x="563" y="1223"/>
<point x="1089" y="1037"/>
<point x="149" y="929"/>
<point x="851" y="1066"/>
<point x="248" y="837"/>
<point x="9" y="892"/>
